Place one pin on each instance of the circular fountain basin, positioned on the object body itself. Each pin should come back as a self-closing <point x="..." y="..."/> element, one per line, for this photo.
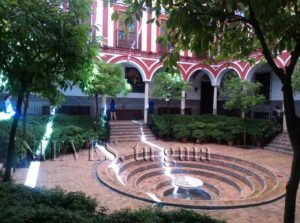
<point x="188" y="183"/>
<point x="223" y="182"/>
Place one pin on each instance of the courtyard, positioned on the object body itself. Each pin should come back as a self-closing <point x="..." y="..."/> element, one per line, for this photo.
<point x="81" y="175"/>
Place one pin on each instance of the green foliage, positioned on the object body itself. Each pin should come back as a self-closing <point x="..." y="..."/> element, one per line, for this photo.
<point x="296" y="79"/>
<point x="21" y="204"/>
<point x="169" y="86"/>
<point x="66" y="129"/>
<point x="241" y="95"/>
<point x="106" y="79"/>
<point x="199" y="134"/>
<point x="76" y="130"/>
<point x="41" y="56"/>
<point x="211" y="128"/>
<point x="226" y="25"/>
<point x="35" y="131"/>
<point x="160" y="216"/>
<point x="181" y="131"/>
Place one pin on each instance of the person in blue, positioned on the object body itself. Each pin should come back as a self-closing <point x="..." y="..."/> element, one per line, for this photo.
<point x="112" y="106"/>
<point x="151" y="107"/>
<point x="8" y="105"/>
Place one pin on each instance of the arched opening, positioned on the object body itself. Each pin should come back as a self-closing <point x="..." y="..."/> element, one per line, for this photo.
<point x="221" y="80"/>
<point x="264" y="75"/>
<point x="126" y="108"/>
<point x="159" y="106"/>
<point x="228" y="73"/>
<point x="200" y="96"/>
<point x="135" y="77"/>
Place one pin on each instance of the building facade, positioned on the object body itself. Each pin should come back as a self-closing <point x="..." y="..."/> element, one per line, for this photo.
<point x="139" y="53"/>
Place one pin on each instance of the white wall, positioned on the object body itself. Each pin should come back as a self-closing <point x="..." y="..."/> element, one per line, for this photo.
<point x="276" y="92"/>
<point x="191" y="94"/>
<point x="75" y="91"/>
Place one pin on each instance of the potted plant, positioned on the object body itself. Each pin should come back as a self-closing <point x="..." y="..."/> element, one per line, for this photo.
<point x="181" y="132"/>
<point x="255" y="134"/>
<point x="216" y="135"/>
<point x="230" y="138"/>
<point x="199" y="135"/>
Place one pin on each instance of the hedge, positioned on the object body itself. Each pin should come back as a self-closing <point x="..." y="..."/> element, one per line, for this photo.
<point x="212" y="128"/>
<point x="66" y="129"/>
<point x="20" y="204"/>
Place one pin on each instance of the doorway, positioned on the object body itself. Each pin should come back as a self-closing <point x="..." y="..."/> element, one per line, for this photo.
<point x="207" y="95"/>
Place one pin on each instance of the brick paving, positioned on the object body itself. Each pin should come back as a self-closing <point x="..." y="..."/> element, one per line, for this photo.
<point x="79" y="175"/>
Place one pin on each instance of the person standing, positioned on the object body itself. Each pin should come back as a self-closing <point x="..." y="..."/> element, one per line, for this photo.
<point x="113" y="115"/>
<point x="278" y="114"/>
<point x="8" y="105"/>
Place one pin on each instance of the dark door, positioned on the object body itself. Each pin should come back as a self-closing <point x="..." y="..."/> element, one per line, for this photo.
<point x="207" y="94"/>
<point x="264" y="80"/>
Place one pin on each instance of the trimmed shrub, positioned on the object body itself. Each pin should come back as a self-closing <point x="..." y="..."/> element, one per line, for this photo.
<point x="20" y="204"/>
<point x="212" y="128"/>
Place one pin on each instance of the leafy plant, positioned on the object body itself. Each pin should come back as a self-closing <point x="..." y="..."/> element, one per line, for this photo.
<point x="181" y="132"/>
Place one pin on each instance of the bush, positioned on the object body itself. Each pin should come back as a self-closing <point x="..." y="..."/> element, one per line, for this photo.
<point x="20" y="204"/>
<point x="213" y="128"/>
<point x="160" y="216"/>
<point x="181" y="131"/>
<point x="65" y="129"/>
<point x="36" y="126"/>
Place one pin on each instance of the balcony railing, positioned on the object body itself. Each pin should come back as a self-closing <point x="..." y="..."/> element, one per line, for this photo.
<point x="128" y="40"/>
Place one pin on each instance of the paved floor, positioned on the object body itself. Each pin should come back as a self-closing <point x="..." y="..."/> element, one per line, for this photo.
<point x="74" y="175"/>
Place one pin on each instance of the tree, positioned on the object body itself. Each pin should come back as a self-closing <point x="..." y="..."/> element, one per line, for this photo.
<point x="296" y="79"/>
<point x="242" y="95"/>
<point x="169" y="87"/>
<point x="233" y="29"/>
<point x="105" y="79"/>
<point x="44" y="46"/>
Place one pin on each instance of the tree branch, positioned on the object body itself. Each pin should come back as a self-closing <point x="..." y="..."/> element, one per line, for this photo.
<point x="266" y="52"/>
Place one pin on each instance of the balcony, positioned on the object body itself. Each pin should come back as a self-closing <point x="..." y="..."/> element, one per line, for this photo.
<point x="127" y="40"/>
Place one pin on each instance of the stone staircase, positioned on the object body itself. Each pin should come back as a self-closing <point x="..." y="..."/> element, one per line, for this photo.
<point x="281" y="143"/>
<point x="129" y="131"/>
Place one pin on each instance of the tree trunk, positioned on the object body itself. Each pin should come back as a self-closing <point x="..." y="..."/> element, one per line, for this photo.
<point x="11" y="144"/>
<point x="26" y="103"/>
<point x="168" y="119"/>
<point x="293" y="129"/>
<point x="291" y="190"/>
<point x="97" y="107"/>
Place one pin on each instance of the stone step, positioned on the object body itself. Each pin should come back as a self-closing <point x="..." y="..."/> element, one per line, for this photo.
<point x="283" y="147"/>
<point x="130" y="133"/>
<point x="130" y="136"/>
<point x="128" y="140"/>
<point x="282" y="139"/>
<point x="281" y="143"/>
<point x="290" y="152"/>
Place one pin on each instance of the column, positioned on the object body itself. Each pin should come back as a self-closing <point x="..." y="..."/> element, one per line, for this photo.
<point x="146" y="101"/>
<point x="103" y="106"/>
<point x="215" y="102"/>
<point x="284" y="126"/>
<point x="182" y="103"/>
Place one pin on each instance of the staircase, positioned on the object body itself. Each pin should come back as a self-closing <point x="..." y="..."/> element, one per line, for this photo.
<point x="129" y="131"/>
<point x="281" y="144"/>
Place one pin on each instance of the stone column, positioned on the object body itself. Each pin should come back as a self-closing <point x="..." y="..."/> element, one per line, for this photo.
<point x="146" y="101"/>
<point x="284" y="126"/>
<point x="103" y="106"/>
<point x="182" y="103"/>
<point x="215" y="102"/>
